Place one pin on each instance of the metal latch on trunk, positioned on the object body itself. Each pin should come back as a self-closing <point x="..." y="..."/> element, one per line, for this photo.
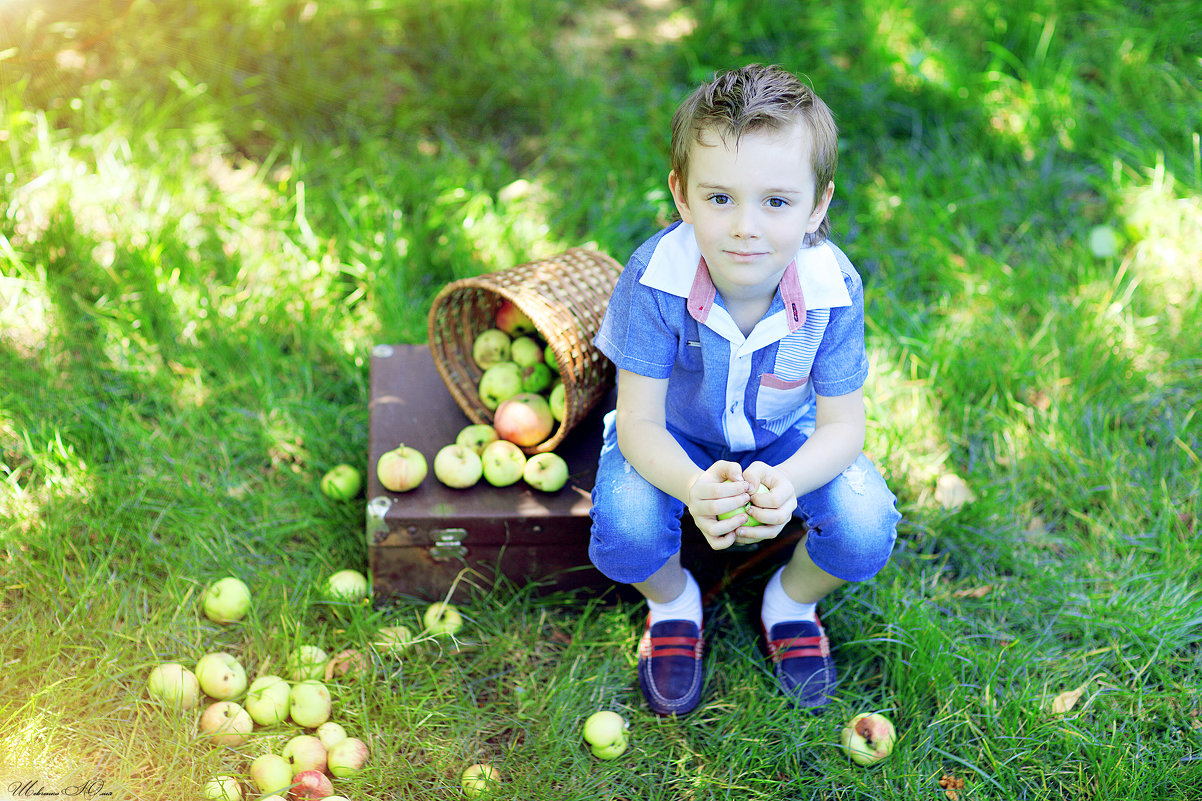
<point x="448" y="544"/>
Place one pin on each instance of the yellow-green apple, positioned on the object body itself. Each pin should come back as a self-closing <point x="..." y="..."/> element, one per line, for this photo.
<point x="442" y="618"/>
<point x="503" y="463"/>
<point x="267" y="701"/>
<point x="550" y="358"/>
<point x="476" y="436"/>
<point x="868" y="738"/>
<point x="311" y="785"/>
<point x="342" y="482"/>
<point x="556" y="400"/>
<point x="174" y="685"/>
<point x="221" y="675"/>
<point x="304" y="752"/>
<point x="547" y="472"/>
<point x="347" y="757"/>
<point x="524" y="419"/>
<point x="226" y="722"/>
<point x="222" y="788"/>
<point x="605" y="732"/>
<point x="393" y="639"/>
<point x="307" y="662"/>
<point x="271" y="773"/>
<point x="499" y="382"/>
<point x="536" y="378"/>
<point x="347" y="585"/>
<point x="330" y="734"/>
<point x="513" y="320"/>
<point x="401" y="469"/>
<point x="457" y="466"/>
<point x="526" y="351"/>
<point x="491" y="346"/>
<point x="309" y="704"/>
<point x="349" y="663"/>
<point x="479" y="779"/>
<point x="227" y="600"/>
<point x="746" y="510"/>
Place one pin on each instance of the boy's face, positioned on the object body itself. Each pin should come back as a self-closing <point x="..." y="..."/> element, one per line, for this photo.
<point x="751" y="203"/>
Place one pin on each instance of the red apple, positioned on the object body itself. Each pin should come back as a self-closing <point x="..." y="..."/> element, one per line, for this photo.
<point x="525" y="419"/>
<point x="512" y="320"/>
<point x="310" y="785"/>
<point x="401" y="469"/>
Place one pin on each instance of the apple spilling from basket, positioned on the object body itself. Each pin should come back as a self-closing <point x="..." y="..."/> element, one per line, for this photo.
<point x="298" y="701"/>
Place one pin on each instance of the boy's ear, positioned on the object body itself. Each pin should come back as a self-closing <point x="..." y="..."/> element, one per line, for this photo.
<point x="819" y="213"/>
<point x="680" y="197"/>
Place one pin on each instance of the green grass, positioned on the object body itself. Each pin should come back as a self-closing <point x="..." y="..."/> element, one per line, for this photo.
<point x="212" y="212"/>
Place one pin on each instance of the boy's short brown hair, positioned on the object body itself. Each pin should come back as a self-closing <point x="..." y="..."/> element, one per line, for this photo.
<point x="753" y="98"/>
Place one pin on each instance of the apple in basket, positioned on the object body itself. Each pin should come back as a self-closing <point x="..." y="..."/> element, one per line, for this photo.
<point x="557" y="399"/>
<point x="526" y="351"/>
<point x="536" y="378"/>
<point x="525" y="419"/>
<point x="401" y="469"/>
<point x="499" y="383"/>
<point x="490" y="347"/>
<point x="512" y="320"/>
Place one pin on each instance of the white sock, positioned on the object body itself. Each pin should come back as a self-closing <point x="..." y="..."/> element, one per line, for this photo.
<point x="778" y="607"/>
<point x="687" y="605"/>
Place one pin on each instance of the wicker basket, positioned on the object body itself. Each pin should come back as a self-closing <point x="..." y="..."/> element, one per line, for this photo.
<point x="564" y="296"/>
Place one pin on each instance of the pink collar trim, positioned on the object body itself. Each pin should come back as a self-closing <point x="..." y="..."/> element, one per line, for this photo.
<point x="702" y="294"/>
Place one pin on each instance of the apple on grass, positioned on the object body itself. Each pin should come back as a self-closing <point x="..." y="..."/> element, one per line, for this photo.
<point x="226" y="723"/>
<point x="499" y="383"/>
<point x="174" y="685"/>
<point x="330" y="734"/>
<point x="268" y="700"/>
<point x="227" y="600"/>
<point x="393" y="639"/>
<point x="524" y="419"/>
<point x="503" y="463"/>
<point x="310" y="704"/>
<point x="512" y="320"/>
<point x="307" y="662"/>
<point x="304" y="752"/>
<point x="478" y="779"/>
<point x="222" y="788"/>
<point x="221" y="675"/>
<point x="442" y="618"/>
<point x="457" y="466"/>
<point x="868" y="738"/>
<point x="745" y="509"/>
<point x="341" y="483"/>
<point x="311" y="785"/>
<point x="476" y="436"/>
<point x="605" y="732"/>
<point x="347" y="757"/>
<point x="491" y="347"/>
<point x="401" y="469"/>
<point x="547" y="472"/>
<point x="347" y="585"/>
<point x="271" y="773"/>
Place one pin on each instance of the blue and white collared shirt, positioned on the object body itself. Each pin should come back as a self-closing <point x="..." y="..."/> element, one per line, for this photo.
<point x="666" y="320"/>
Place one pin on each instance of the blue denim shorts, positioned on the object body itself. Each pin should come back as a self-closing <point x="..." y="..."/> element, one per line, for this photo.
<point x="852" y="520"/>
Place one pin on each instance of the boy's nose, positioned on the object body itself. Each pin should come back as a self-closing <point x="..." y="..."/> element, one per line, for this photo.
<point x="746" y="224"/>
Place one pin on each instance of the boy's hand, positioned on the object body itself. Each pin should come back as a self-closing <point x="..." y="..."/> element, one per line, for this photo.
<point x="772" y="508"/>
<point x="718" y="490"/>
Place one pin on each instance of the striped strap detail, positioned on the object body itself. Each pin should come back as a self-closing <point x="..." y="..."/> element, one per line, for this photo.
<point x="795" y="647"/>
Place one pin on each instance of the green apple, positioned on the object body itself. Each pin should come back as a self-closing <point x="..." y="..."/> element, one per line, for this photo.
<point x="401" y="469"/>
<point x="479" y="779"/>
<point x="267" y="701"/>
<point x="221" y="675"/>
<point x="347" y="757"/>
<point x="499" y="383"/>
<point x="868" y="738"/>
<point x="222" y="788"/>
<point x="525" y="351"/>
<point x="347" y="585"/>
<point x="227" y="600"/>
<point x="608" y="752"/>
<point x="271" y="773"/>
<point x="307" y="662"/>
<point x="227" y="723"/>
<point x="442" y="618"/>
<point x="341" y="483"/>
<point x="304" y="752"/>
<point x="605" y="729"/>
<point x="536" y="377"/>
<point x="174" y="685"/>
<point x="330" y="734"/>
<point x="547" y="472"/>
<point x="557" y="399"/>
<point x="393" y="639"/>
<point x="457" y="466"/>
<point x="745" y="509"/>
<point x="476" y="436"/>
<point x="503" y="463"/>
<point x="550" y="359"/>
<point x="490" y="347"/>
<point x="309" y="704"/>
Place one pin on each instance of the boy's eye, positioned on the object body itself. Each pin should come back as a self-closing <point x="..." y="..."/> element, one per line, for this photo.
<point x="719" y="199"/>
<point x="777" y="202"/>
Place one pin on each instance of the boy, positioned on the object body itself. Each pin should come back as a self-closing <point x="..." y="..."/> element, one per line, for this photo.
<point x="738" y="334"/>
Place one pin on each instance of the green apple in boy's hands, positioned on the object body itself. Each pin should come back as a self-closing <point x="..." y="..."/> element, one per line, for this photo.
<point x="745" y="509"/>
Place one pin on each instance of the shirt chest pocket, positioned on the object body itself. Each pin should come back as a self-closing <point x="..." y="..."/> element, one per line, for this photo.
<point x="778" y="397"/>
